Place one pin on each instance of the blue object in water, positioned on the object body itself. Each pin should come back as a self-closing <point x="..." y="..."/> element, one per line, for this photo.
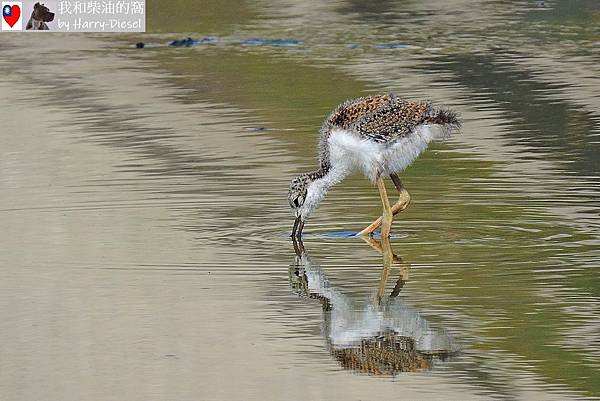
<point x="350" y="234"/>
<point x="187" y="42"/>
<point x="340" y="234"/>
<point x="252" y="42"/>
<point x="390" y="46"/>
<point x="208" y="40"/>
<point x="286" y="42"/>
<point x="271" y="42"/>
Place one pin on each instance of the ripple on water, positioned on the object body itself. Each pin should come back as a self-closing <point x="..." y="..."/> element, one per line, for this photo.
<point x="148" y="208"/>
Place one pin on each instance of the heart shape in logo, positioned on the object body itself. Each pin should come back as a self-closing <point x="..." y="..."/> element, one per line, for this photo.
<point x="11" y="14"/>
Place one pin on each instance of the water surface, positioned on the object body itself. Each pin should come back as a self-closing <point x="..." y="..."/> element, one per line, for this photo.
<point x="144" y="220"/>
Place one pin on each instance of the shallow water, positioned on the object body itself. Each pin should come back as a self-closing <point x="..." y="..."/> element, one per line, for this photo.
<point x="144" y="219"/>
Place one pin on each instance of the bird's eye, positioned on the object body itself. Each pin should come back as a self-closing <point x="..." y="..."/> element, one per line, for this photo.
<point x="297" y="202"/>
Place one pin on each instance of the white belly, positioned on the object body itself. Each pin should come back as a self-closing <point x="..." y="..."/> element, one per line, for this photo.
<point x="349" y="152"/>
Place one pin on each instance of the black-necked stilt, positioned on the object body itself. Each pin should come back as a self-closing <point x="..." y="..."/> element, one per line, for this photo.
<point x="379" y="134"/>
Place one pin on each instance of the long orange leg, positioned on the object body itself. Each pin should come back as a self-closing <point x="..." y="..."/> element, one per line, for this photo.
<point x="400" y="205"/>
<point x="387" y="216"/>
<point x="389" y="259"/>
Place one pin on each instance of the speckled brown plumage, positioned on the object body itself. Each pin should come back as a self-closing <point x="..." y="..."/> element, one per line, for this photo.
<point x="388" y="354"/>
<point x="349" y="112"/>
<point x="394" y="119"/>
<point x="381" y="118"/>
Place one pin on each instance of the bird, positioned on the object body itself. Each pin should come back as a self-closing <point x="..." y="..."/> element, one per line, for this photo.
<point x="380" y="135"/>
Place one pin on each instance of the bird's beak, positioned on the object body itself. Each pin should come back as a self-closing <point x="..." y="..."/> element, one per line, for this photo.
<point x="298" y="227"/>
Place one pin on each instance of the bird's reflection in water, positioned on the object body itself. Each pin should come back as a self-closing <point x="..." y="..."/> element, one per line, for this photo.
<point x="384" y="337"/>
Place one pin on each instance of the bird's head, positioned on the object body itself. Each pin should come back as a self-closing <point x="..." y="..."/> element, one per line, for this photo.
<point x="298" y="193"/>
<point x="304" y="196"/>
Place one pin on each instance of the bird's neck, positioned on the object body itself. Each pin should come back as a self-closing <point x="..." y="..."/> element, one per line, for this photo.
<point x="326" y="177"/>
<point x="323" y="171"/>
<point x="324" y="166"/>
<point x="324" y="156"/>
<point x="321" y="181"/>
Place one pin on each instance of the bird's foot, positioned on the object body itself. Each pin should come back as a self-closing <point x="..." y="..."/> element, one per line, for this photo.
<point x="398" y="207"/>
<point x="368" y="231"/>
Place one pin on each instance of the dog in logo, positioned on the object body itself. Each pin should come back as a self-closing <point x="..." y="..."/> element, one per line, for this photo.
<point x="40" y="15"/>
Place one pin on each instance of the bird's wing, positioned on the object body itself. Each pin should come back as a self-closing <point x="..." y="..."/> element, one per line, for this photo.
<point x="351" y="111"/>
<point x="392" y="120"/>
